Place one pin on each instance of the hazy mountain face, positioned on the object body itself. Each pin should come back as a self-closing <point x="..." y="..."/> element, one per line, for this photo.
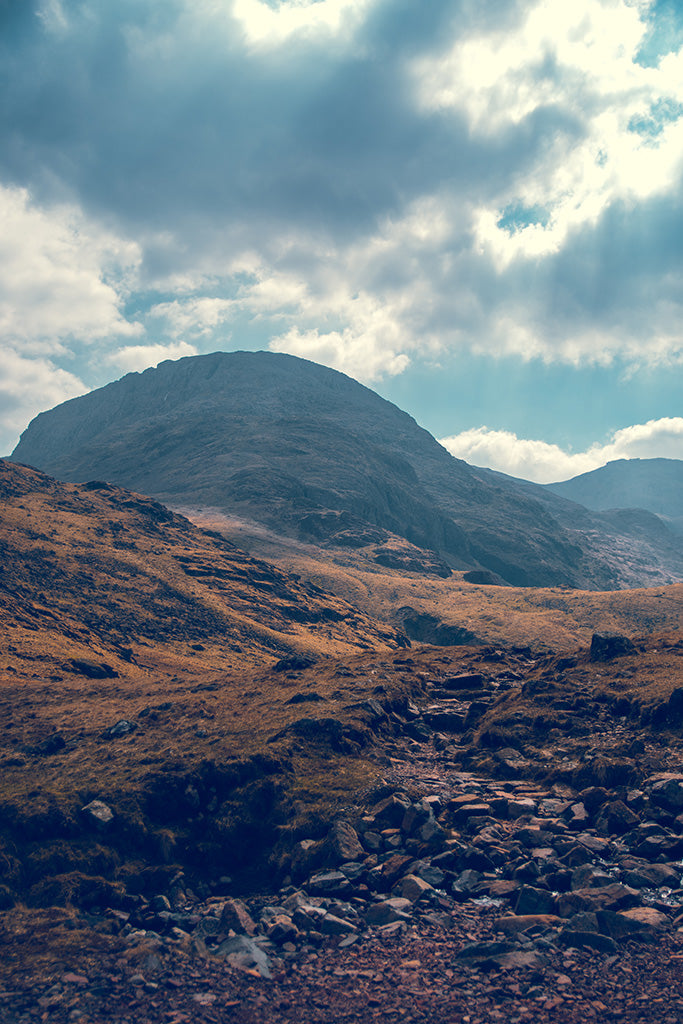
<point x="652" y="484"/>
<point x="313" y="454"/>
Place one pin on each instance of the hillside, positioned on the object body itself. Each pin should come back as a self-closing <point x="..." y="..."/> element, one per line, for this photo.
<point x="652" y="484"/>
<point x="453" y="611"/>
<point x="97" y="572"/>
<point x="312" y="454"/>
<point x="225" y="791"/>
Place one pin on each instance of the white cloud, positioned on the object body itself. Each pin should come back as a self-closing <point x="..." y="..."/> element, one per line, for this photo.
<point x="139" y="357"/>
<point x="268" y="24"/>
<point x="61" y="278"/>
<point x="362" y="357"/>
<point x="52" y="15"/>
<point x="27" y="387"/>
<point x="579" y="59"/>
<point x="548" y="463"/>
<point x="197" y="317"/>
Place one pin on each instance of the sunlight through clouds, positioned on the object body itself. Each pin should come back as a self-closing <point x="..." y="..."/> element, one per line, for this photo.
<point x="396" y="189"/>
<point x="581" y="59"/>
<point x="272" y="24"/>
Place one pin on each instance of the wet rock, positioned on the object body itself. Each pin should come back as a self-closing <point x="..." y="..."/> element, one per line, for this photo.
<point x="616" y="819"/>
<point x="609" y="897"/>
<point x="589" y="877"/>
<point x="652" y="876"/>
<point x="534" y="901"/>
<point x="434" y="875"/>
<point x="467" y="882"/>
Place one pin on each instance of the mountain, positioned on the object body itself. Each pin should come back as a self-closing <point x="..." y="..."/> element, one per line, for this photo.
<point x="652" y="484"/>
<point x="310" y="453"/>
<point x="95" y="574"/>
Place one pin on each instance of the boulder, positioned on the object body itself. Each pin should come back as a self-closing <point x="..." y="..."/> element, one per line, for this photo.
<point x="243" y="954"/>
<point x="518" y="923"/>
<point x="98" y="814"/>
<point x="235" y="916"/>
<point x="342" y="844"/>
<point x="414" y="888"/>
<point x="534" y="901"/>
<point x="606" y="646"/>
<point x="388" y="911"/>
<point x="667" y="792"/>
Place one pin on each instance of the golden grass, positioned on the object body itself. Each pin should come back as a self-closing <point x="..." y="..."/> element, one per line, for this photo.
<point x="554" y="618"/>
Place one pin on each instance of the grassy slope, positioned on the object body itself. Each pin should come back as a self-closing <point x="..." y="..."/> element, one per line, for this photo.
<point x="554" y="618"/>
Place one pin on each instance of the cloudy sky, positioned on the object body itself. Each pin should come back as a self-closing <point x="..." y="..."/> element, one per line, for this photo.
<point x="473" y="206"/>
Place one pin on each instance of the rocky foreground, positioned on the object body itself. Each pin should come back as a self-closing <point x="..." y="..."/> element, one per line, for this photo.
<point x="474" y="883"/>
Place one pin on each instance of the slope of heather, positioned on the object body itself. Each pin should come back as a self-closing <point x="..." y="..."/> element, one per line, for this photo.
<point x="313" y="454"/>
<point x="97" y="568"/>
<point x="447" y="611"/>
<point x="136" y="651"/>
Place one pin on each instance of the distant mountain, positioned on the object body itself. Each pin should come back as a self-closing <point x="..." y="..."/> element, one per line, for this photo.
<point x="652" y="484"/>
<point x="313" y="454"/>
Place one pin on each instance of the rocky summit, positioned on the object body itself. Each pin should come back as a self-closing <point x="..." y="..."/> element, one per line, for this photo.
<point x="312" y="454"/>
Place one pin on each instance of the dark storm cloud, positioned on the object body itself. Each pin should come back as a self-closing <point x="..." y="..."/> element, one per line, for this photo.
<point x="203" y="133"/>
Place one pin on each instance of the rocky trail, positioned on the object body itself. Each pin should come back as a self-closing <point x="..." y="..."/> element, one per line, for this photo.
<point x="474" y="883"/>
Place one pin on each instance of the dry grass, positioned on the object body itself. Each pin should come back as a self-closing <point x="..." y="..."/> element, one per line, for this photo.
<point x="554" y="618"/>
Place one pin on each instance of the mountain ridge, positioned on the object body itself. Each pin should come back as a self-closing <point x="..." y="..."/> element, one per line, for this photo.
<point x="652" y="484"/>
<point x="314" y="454"/>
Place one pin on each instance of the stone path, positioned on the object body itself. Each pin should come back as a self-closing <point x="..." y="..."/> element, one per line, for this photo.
<point x="450" y="895"/>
